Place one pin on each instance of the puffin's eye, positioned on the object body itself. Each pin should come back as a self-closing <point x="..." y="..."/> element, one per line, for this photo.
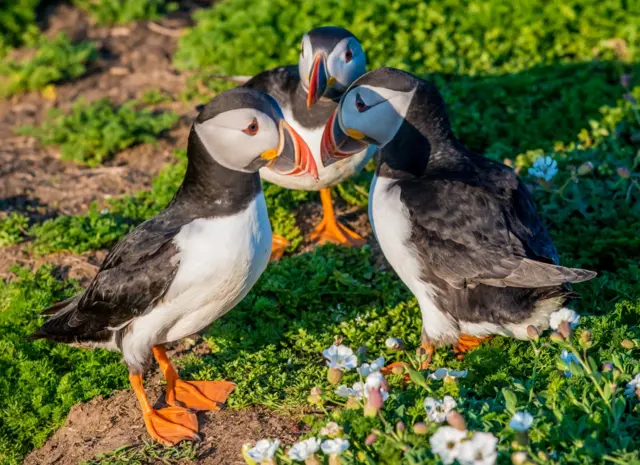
<point x="360" y="105"/>
<point x="348" y="55"/>
<point x="252" y="129"/>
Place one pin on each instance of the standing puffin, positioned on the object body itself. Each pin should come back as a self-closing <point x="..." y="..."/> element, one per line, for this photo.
<point x="459" y="229"/>
<point x="331" y="58"/>
<point x="178" y="272"/>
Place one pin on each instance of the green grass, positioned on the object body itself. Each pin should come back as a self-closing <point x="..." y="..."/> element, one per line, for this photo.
<point x="12" y="228"/>
<point x="125" y="11"/>
<point x="55" y="60"/>
<point x="92" y="132"/>
<point x="17" y="22"/>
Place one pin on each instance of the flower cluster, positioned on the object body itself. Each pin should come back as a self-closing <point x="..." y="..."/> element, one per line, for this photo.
<point x="544" y="168"/>
<point x="438" y="410"/>
<point x="468" y="448"/>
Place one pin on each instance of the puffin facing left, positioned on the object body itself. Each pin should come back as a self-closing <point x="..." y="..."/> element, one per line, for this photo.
<point x="178" y="272"/>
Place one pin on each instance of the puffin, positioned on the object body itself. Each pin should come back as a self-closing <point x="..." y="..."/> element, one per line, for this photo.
<point x="459" y="229"/>
<point x="178" y="272"/>
<point x="331" y="58"/>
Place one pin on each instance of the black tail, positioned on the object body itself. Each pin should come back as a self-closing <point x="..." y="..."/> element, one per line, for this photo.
<point x="57" y="328"/>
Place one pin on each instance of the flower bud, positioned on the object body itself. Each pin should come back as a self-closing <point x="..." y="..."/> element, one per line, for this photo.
<point x="508" y="162"/>
<point x="607" y="367"/>
<point x="313" y="460"/>
<point x="638" y="393"/>
<point x="556" y="337"/>
<point x="625" y="80"/>
<point x="370" y="439"/>
<point x="397" y="369"/>
<point x="519" y="458"/>
<point x="334" y="375"/>
<point x="623" y="172"/>
<point x="585" y="168"/>
<point x="315" y="396"/>
<point x="374" y="403"/>
<point x="394" y="343"/>
<point x="352" y="404"/>
<point x="400" y="426"/>
<point x="421" y="428"/>
<point x="533" y="333"/>
<point x="334" y="460"/>
<point x="585" y="339"/>
<point x="455" y="419"/>
<point x="565" y="329"/>
<point x="627" y="344"/>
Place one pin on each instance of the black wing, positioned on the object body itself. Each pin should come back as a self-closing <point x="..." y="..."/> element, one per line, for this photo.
<point x="280" y="82"/>
<point x="134" y="276"/>
<point x="483" y="230"/>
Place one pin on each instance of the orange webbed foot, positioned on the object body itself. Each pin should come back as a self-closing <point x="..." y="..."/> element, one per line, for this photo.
<point x="278" y="248"/>
<point x="466" y="343"/>
<point x="201" y="395"/>
<point x="330" y="230"/>
<point x="171" y="425"/>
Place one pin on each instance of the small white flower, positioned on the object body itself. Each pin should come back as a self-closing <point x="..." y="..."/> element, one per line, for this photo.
<point x="104" y="211"/>
<point x="442" y="373"/>
<point x="564" y="314"/>
<point x="394" y="343"/>
<point x="302" y="450"/>
<point x="446" y="443"/>
<point x="375" y="380"/>
<point x="521" y="421"/>
<point x="335" y="446"/>
<point x="367" y="368"/>
<point x="545" y="168"/>
<point x="340" y="357"/>
<point x="356" y="391"/>
<point x="437" y="410"/>
<point x="479" y="450"/>
<point x="632" y="385"/>
<point x="331" y="429"/>
<point x="568" y="358"/>
<point x="264" y="450"/>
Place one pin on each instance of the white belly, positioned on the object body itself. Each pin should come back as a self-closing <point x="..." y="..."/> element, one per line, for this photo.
<point x="220" y="260"/>
<point x="392" y="228"/>
<point x="329" y="176"/>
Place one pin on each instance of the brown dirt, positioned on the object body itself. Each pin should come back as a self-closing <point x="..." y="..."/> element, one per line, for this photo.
<point x="103" y="425"/>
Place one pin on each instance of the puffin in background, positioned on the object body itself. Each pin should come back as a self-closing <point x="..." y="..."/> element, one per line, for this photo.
<point x="459" y="229"/>
<point x="331" y="58"/>
<point x="181" y="270"/>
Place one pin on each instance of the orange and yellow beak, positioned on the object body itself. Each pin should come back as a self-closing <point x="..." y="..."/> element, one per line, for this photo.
<point x="293" y="156"/>
<point x="337" y="144"/>
<point x="319" y="79"/>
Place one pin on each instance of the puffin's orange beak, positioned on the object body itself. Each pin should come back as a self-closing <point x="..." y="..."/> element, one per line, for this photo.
<point x="293" y="157"/>
<point x="337" y="145"/>
<point x="318" y="79"/>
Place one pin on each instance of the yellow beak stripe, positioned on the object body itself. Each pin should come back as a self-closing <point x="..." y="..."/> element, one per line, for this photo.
<point x="355" y="134"/>
<point x="331" y="81"/>
<point x="269" y="154"/>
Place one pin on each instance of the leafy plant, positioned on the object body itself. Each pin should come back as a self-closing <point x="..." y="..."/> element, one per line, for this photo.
<point x="17" y="22"/>
<point x="12" y="228"/>
<point x="55" y="60"/>
<point x="91" y="132"/>
<point x="125" y="11"/>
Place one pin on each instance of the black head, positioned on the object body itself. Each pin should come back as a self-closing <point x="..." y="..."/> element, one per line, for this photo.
<point x="387" y="106"/>
<point x="243" y="130"/>
<point x="331" y="58"/>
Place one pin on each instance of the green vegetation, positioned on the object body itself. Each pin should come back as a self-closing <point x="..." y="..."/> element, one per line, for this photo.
<point x="41" y="382"/>
<point x="91" y="132"/>
<point x="17" y="22"/>
<point x="55" y="60"/>
<point x="125" y="11"/>
<point x="12" y="228"/>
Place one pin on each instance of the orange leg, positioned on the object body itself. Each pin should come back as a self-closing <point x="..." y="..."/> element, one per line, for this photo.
<point x="467" y="343"/>
<point x="196" y="395"/>
<point x="330" y="230"/>
<point x="278" y="248"/>
<point x="168" y="425"/>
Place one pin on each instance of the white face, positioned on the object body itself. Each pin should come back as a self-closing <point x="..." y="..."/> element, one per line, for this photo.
<point x="237" y="138"/>
<point x="345" y="63"/>
<point x="375" y="112"/>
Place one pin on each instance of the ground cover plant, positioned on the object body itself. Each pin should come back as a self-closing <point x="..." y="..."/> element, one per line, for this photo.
<point x="55" y="60"/>
<point x="124" y="11"/>
<point x="552" y="89"/>
<point x="91" y="132"/>
<point x="17" y="22"/>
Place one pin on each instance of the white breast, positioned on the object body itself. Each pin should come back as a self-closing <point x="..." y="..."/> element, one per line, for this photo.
<point x="220" y="260"/>
<point x="329" y="176"/>
<point x="392" y="227"/>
